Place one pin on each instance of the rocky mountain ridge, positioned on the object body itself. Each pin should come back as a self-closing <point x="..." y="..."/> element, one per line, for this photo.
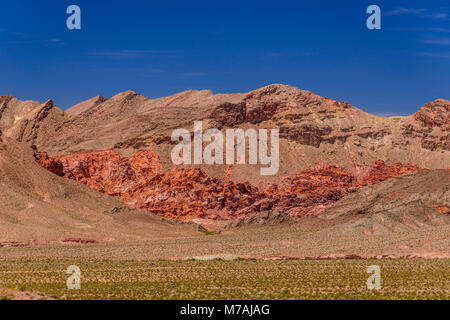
<point x="313" y="129"/>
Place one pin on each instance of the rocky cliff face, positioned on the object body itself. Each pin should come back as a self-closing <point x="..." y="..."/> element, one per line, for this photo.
<point x="431" y="125"/>
<point x="313" y="129"/>
<point x="191" y="193"/>
<point x="105" y="171"/>
<point x="313" y="191"/>
<point x="28" y="121"/>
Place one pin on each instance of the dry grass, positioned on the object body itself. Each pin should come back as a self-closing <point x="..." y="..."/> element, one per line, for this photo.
<point x="238" y="279"/>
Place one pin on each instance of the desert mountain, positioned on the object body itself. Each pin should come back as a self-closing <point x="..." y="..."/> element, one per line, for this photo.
<point x="329" y="149"/>
<point x="28" y="121"/>
<point x="313" y="129"/>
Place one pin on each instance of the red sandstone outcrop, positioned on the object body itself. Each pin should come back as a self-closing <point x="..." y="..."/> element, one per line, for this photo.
<point x="434" y="114"/>
<point x="442" y="209"/>
<point x="105" y="171"/>
<point x="379" y="171"/>
<point x="49" y="163"/>
<point x="190" y="193"/>
<point x="312" y="191"/>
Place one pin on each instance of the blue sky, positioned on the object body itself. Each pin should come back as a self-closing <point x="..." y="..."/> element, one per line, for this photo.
<point x="159" y="48"/>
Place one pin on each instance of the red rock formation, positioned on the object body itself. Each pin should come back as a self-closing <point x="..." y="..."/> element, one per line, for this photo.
<point x="432" y="125"/>
<point x="312" y="191"/>
<point x="442" y="209"/>
<point x="190" y="193"/>
<point x="322" y="177"/>
<point x="49" y="163"/>
<point x="105" y="171"/>
<point x="183" y="194"/>
<point x="434" y="114"/>
<point x="379" y="171"/>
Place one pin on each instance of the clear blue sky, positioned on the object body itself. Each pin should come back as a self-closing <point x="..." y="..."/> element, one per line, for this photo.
<point x="159" y="48"/>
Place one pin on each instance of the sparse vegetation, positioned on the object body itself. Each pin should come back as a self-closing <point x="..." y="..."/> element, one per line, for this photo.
<point x="237" y="279"/>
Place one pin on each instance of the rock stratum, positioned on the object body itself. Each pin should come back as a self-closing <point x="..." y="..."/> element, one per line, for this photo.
<point x="329" y="150"/>
<point x="188" y="194"/>
<point x="313" y="129"/>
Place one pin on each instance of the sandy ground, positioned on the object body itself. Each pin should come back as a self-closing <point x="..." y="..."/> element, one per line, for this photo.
<point x="311" y="239"/>
<point x="12" y="294"/>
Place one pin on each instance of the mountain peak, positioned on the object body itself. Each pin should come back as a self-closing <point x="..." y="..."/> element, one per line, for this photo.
<point x="6" y="98"/>
<point x="441" y="101"/>
<point x="86" y="105"/>
<point x="276" y="87"/>
<point x="47" y="105"/>
<point x="124" y="95"/>
<point x="436" y="113"/>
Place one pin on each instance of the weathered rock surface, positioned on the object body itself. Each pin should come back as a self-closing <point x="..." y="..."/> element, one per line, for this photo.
<point x="313" y="129"/>
<point x="105" y="171"/>
<point x="28" y="121"/>
<point x="312" y="191"/>
<point x="183" y="194"/>
<point x="191" y="193"/>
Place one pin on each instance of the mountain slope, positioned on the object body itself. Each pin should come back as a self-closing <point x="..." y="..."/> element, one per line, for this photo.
<point x="28" y="121"/>
<point x="407" y="203"/>
<point x="38" y="207"/>
<point x="313" y="129"/>
<point x="86" y="105"/>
